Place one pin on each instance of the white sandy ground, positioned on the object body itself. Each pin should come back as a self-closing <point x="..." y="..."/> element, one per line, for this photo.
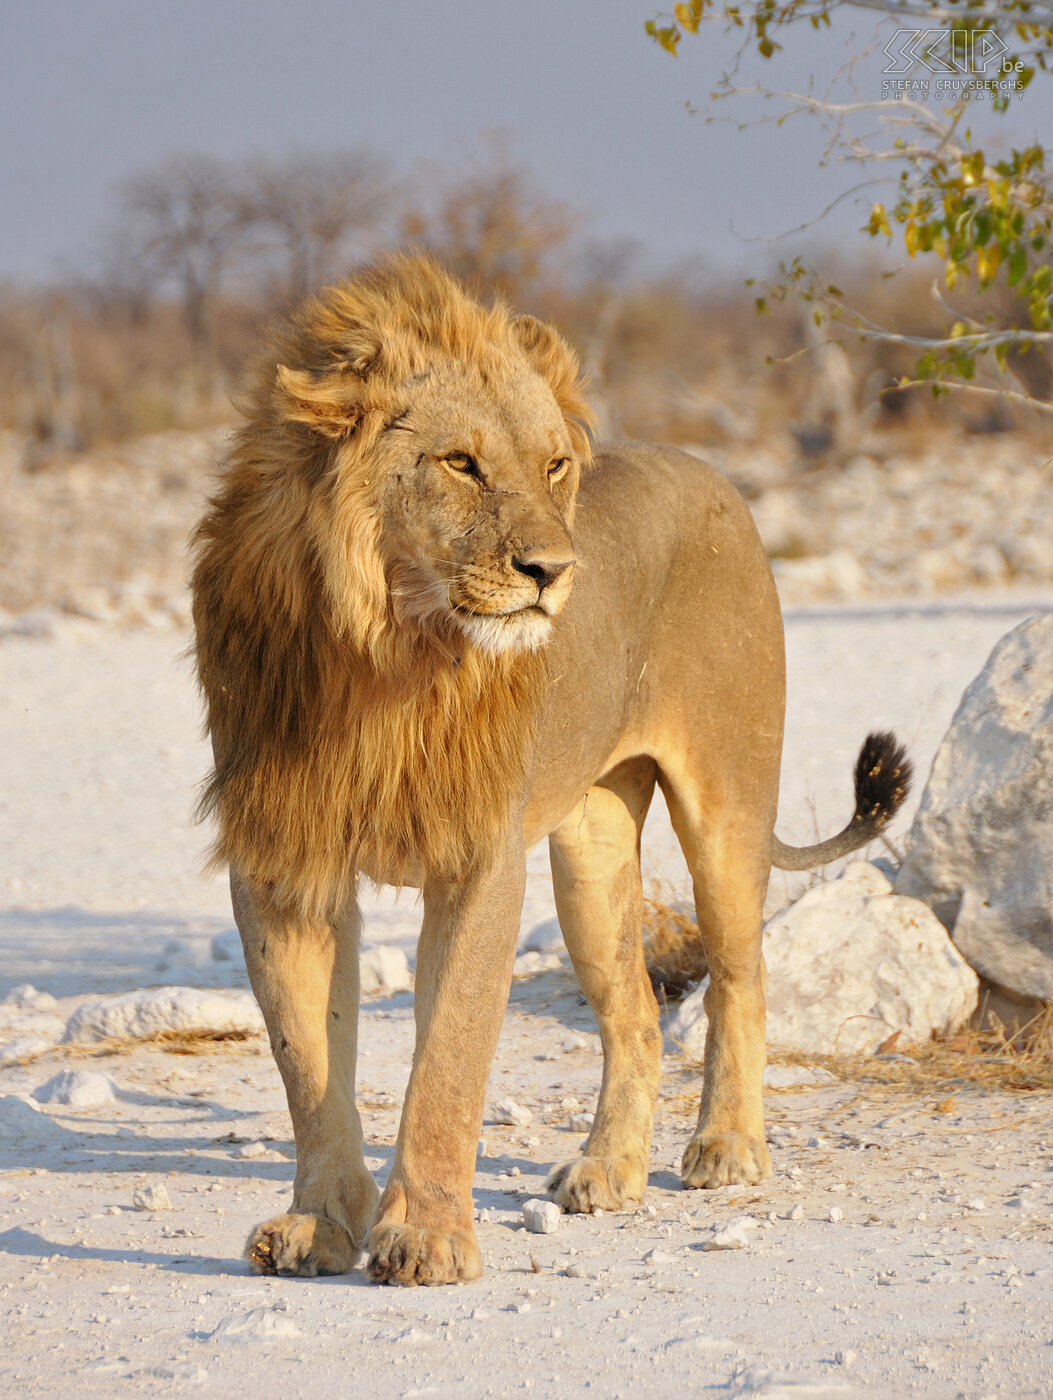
<point x="935" y="1279"/>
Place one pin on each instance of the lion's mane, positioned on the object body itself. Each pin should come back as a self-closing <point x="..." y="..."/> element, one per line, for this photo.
<point x="345" y="738"/>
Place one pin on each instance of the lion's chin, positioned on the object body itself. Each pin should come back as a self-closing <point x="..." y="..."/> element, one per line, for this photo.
<point x="497" y="634"/>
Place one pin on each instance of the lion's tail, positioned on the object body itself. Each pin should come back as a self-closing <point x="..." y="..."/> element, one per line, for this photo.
<point x="882" y="781"/>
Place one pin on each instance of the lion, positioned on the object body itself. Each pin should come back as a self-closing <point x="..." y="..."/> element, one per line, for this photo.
<point x="435" y="625"/>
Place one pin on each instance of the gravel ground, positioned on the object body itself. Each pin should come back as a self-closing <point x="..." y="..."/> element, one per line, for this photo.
<point x="903" y="1246"/>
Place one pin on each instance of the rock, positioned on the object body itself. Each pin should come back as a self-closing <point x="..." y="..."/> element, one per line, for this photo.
<point x="259" y="1325"/>
<point x="509" y="1112"/>
<point x="796" y="1076"/>
<point x="24" y="1048"/>
<point x="835" y="575"/>
<point x="836" y="1214"/>
<point x="28" y="998"/>
<point x="527" y="964"/>
<point x="731" y="1236"/>
<point x="152" y="1197"/>
<point x="77" y="1088"/>
<point x="574" y="1042"/>
<point x="581" y="1122"/>
<point x="981" y="848"/>
<point x="144" y="1015"/>
<point x="849" y="963"/>
<point x="249" y="1150"/>
<point x="541" y="1217"/>
<point x="659" y="1258"/>
<point x="384" y="970"/>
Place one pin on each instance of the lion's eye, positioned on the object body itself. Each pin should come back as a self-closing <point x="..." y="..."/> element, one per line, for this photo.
<point x="461" y="462"/>
<point x="557" y="470"/>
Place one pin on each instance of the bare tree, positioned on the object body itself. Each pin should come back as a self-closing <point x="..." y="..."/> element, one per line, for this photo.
<point x="318" y="209"/>
<point x="181" y="222"/>
<point x="492" y="228"/>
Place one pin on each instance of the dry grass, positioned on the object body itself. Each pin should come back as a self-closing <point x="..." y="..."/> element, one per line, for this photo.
<point x="983" y="1057"/>
<point x="171" y="1042"/>
<point x="987" y="1055"/>
<point x="672" y="949"/>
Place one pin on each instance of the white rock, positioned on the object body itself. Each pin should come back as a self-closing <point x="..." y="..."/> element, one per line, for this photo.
<point x="659" y="1258"/>
<point x="259" y="1325"/>
<point x="77" y="1088"/>
<point x="981" y="847"/>
<point x="849" y="963"/>
<point x="248" y="1150"/>
<point x="581" y="1122"/>
<point x="152" y="1197"/>
<point x="795" y="1076"/>
<point x="24" y="1048"/>
<point x="143" y="1015"/>
<point x="28" y="998"/>
<point x="528" y="964"/>
<point x="835" y="575"/>
<point x="384" y="970"/>
<point x="731" y="1236"/>
<point x="836" y="1214"/>
<point x="574" y="1042"/>
<point x="508" y="1111"/>
<point x="541" y="1217"/>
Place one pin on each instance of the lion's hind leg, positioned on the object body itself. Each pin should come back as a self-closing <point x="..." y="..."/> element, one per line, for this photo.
<point x="305" y="976"/>
<point x="727" y="851"/>
<point x="596" y="875"/>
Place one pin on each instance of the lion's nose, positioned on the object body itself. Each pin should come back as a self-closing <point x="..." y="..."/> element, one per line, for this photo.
<point x="543" y="568"/>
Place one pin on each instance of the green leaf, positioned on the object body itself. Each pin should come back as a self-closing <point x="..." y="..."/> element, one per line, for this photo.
<point x="1017" y="265"/>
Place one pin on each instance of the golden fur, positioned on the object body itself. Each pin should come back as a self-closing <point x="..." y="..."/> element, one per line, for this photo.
<point x="347" y="736"/>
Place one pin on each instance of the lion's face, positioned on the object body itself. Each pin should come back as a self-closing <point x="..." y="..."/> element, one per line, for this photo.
<point x="476" y="493"/>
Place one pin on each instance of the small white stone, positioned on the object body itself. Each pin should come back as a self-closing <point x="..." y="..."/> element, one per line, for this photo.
<point x="509" y="1112"/>
<point x="574" y="1042"/>
<point x="541" y="1217"/>
<point x="844" y="1358"/>
<point x="28" y="998"/>
<point x="581" y="1122"/>
<point x="255" y="1326"/>
<point x="152" y="1197"/>
<point x="732" y="1235"/>
<point x="977" y="1203"/>
<point x="659" y="1258"/>
<point x="77" y="1088"/>
<point x="836" y="1214"/>
<point x="251" y="1149"/>
<point x="797" y="1213"/>
<point x="384" y="970"/>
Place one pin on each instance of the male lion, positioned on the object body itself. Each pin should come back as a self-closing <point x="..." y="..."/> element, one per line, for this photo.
<point x="402" y="683"/>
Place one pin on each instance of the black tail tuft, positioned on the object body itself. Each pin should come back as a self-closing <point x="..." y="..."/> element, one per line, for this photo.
<point x="883" y="778"/>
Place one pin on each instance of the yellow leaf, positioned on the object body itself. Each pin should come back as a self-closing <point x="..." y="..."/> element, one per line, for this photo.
<point x="879" y="222"/>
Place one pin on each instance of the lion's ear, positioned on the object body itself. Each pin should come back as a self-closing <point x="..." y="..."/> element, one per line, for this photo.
<point x="558" y="365"/>
<point x="331" y="401"/>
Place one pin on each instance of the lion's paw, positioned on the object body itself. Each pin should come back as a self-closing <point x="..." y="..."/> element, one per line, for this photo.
<point x="302" y="1245"/>
<point x="597" y="1183"/>
<point x="725" y="1159"/>
<point x="411" y="1255"/>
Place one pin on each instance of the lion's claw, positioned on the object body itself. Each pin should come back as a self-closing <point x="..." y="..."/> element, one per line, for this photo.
<point x="301" y="1245"/>
<point x="597" y="1183"/>
<point x="725" y="1159"/>
<point x="410" y="1255"/>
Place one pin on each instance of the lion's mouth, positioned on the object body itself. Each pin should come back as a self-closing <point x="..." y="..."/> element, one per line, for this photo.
<point x="518" y="629"/>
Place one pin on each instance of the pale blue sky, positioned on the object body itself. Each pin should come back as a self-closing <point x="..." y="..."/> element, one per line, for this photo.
<point x="92" y="90"/>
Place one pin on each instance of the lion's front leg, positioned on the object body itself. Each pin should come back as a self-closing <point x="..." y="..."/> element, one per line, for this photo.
<point x="305" y="976"/>
<point x="424" y="1232"/>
